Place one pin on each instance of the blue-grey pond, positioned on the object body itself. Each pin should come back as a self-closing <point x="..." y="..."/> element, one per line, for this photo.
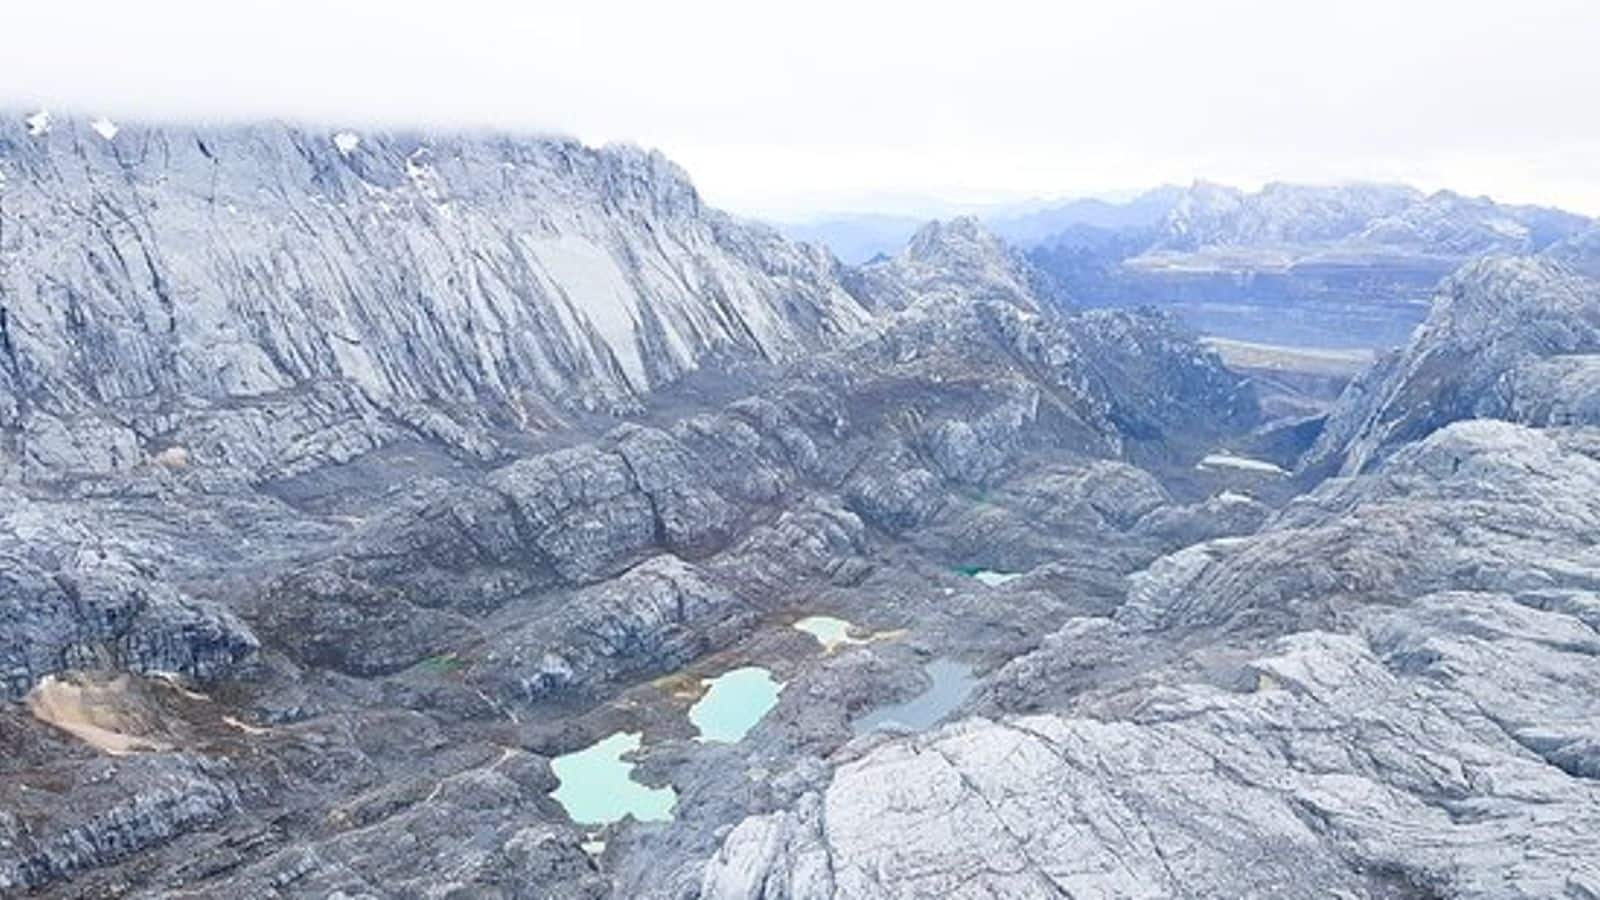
<point x="734" y="702"/>
<point x="596" y="785"/>
<point x="952" y="683"/>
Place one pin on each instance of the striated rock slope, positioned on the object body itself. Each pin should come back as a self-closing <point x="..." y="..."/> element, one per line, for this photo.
<point x="277" y="298"/>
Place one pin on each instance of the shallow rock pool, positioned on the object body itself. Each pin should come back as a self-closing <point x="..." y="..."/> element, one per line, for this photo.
<point x="596" y="785"/>
<point x="830" y="632"/>
<point x="952" y="683"/>
<point x="733" y="703"/>
<point x="990" y="577"/>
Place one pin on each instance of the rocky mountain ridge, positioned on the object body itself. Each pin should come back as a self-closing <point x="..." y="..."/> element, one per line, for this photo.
<point x="184" y="290"/>
<point x="1513" y="338"/>
<point x="1376" y="216"/>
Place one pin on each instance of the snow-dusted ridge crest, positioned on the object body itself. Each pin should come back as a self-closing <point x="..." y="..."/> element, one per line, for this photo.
<point x="470" y="279"/>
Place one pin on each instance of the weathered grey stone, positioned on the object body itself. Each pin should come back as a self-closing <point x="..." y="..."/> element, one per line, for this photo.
<point x="654" y="617"/>
<point x="1489" y="322"/>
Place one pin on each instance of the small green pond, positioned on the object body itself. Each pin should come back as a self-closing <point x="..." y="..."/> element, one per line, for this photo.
<point x="990" y="577"/>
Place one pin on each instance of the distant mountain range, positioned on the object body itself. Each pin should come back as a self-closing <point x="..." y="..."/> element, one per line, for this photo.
<point x="1356" y="262"/>
<point x="1365" y="218"/>
<point x="858" y="237"/>
<point x="1206" y="215"/>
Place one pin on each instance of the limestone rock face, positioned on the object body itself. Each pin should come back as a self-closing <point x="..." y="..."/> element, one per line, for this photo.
<point x="1480" y="505"/>
<point x="1484" y="352"/>
<point x="653" y="616"/>
<point x="157" y="799"/>
<point x="179" y="284"/>
<point x="1348" y="770"/>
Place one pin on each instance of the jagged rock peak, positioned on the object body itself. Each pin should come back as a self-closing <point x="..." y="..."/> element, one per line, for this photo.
<point x="961" y="237"/>
<point x="958" y="259"/>
<point x="1498" y="293"/>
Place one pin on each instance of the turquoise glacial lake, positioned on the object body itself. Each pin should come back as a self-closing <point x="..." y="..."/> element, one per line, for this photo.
<point x="596" y="785"/>
<point x="952" y="683"/>
<point x="733" y="703"/>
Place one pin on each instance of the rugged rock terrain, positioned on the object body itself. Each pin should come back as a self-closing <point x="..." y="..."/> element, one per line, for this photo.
<point x="1508" y="338"/>
<point x="351" y="479"/>
<point x="1386" y="690"/>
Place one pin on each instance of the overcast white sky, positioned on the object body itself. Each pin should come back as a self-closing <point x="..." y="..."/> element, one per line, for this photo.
<point x="820" y="104"/>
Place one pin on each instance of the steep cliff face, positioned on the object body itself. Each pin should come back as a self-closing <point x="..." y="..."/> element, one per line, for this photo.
<point x="194" y="288"/>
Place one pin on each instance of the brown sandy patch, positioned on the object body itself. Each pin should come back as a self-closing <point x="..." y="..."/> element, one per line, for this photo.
<point x="103" y="714"/>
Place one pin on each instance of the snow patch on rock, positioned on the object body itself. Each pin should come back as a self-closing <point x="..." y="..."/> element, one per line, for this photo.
<point x="39" y="123"/>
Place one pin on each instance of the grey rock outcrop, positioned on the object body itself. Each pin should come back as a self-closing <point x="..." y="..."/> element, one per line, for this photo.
<point x="1579" y="252"/>
<point x="152" y="801"/>
<point x="959" y="258"/>
<point x="1483" y="352"/>
<point x="71" y="599"/>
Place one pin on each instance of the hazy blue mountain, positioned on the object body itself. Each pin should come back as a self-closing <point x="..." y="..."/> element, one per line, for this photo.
<point x="1355" y="264"/>
<point x="856" y="238"/>
<point x="1037" y="227"/>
